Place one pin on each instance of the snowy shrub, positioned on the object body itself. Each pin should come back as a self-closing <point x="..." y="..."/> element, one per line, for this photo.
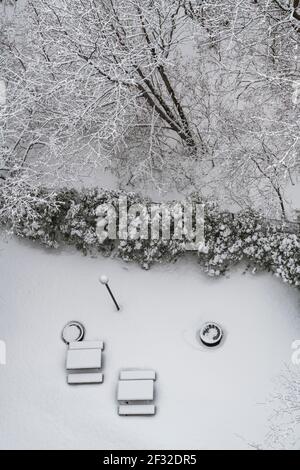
<point x="36" y="218"/>
<point x="70" y="217"/>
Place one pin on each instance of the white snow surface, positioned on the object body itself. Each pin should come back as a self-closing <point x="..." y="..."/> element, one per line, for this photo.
<point x="205" y="399"/>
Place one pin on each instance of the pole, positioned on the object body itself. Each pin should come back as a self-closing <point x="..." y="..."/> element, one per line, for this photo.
<point x="104" y="280"/>
<point x="112" y="296"/>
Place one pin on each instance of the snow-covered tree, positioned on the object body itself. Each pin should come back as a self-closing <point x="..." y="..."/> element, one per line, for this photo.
<point x="284" y="422"/>
<point x="191" y="94"/>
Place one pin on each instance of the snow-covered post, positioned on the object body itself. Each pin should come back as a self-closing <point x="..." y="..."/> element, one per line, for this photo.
<point x="104" y="280"/>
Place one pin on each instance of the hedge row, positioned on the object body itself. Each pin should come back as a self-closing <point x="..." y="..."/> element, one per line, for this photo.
<point x="69" y="217"/>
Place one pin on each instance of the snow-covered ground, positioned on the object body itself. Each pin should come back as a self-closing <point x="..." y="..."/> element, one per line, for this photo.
<point x="205" y="399"/>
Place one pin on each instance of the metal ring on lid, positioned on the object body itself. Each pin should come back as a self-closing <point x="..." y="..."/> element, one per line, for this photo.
<point x="73" y="331"/>
<point x="211" y="334"/>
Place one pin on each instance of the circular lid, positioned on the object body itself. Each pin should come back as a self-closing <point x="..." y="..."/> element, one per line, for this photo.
<point x="73" y="331"/>
<point x="211" y="334"/>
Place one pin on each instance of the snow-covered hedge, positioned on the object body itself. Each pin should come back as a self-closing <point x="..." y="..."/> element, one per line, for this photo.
<point x="69" y="217"/>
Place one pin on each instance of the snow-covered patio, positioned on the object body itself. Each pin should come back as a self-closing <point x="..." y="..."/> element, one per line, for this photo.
<point x="205" y="398"/>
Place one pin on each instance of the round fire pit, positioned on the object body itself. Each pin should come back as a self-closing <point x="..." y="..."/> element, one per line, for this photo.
<point x="211" y="334"/>
<point x="73" y="331"/>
